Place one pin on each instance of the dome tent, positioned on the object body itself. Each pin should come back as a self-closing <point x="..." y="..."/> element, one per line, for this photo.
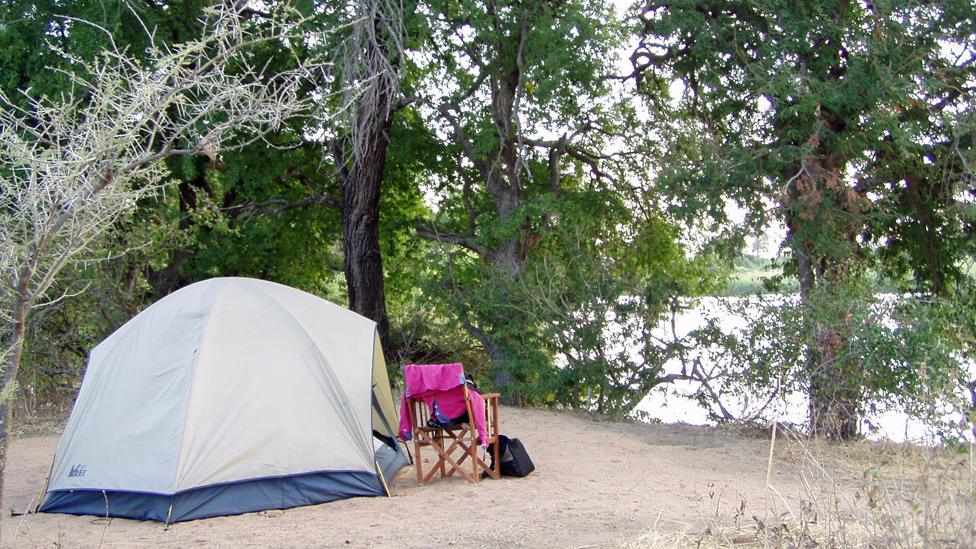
<point x="228" y="396"/>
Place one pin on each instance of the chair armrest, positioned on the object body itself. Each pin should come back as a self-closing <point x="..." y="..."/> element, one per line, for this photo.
<point x="491" y="415"/>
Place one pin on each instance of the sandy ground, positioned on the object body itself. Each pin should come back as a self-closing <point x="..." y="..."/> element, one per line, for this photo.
<point x="597" y="483"/>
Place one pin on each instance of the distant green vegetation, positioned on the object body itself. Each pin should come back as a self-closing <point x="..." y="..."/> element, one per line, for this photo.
<point x="756" y="275"/>
<point x="753" y="275"/>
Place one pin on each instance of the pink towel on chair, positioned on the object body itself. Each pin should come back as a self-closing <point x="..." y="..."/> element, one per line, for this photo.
<point x="422" y="378"/>
<point x="441" y="388"/>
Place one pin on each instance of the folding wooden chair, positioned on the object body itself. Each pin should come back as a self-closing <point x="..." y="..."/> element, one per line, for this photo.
<point x="461" y="439"/>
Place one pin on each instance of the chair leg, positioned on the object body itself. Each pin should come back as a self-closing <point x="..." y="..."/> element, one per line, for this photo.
<point x="418" y="462"/>
<point x="466" y="441"/>
<point x="497" y="473"/>
<point x="473" y="451"/>
<point x="455" y="443"/>
<point x="446" y="460"/>
<point x="440" y="450"/>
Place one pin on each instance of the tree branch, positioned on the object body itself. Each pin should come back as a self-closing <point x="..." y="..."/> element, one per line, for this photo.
<point x="431" y="232"/>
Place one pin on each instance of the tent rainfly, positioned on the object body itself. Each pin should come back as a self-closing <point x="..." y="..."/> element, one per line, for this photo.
<point x="229" y="396"/>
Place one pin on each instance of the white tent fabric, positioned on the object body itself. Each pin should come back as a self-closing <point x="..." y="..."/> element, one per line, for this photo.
<point x="225" y="381"/>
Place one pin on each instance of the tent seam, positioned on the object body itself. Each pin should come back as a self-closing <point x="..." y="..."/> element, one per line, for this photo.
<point x="336" y="387"/>
<point x="193" y="386"/>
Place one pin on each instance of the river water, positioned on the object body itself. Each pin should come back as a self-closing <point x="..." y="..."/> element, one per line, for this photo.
<point x="672" y="403"/>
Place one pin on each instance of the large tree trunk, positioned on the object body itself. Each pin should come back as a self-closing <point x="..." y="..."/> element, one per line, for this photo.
<point x="501" y="166"/>
<point x="361" y="182"/>
<point x="834" y="391"/>
<point x="360" y="155"/>
<point x="821" y="214"/>
<point x="835" y="396"/>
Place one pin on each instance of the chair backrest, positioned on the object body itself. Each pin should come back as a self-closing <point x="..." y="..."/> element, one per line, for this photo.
<point x="439" y="388"/>
<point x="423" y="379"/>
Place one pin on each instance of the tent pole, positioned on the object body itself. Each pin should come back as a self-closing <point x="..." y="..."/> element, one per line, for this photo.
<point x="44" y="485"/>
<point x="383" y="479"/>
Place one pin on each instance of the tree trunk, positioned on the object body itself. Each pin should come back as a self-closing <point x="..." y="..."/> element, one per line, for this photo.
<point x="16" y="347"/>
<point x="834" y="391"/>
<point x="501" y="167"/>
<point x="821" y="262"/>
<point x="835" y="399"/>
<point x="500" y="361"/>
<point x="361" y="182"/>
<point x="360" y="156"/>
<point x="169" y="279"/>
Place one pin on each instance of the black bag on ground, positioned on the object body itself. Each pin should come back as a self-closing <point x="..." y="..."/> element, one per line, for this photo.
<point x="515" y="461"/>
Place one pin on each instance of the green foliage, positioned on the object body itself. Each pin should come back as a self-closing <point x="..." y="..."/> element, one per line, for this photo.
<point x="9" y="391"/>
<point x="597" y="301"/>
<point x="250" y="220"/>
<point x="849" y="119"/>
<point x="550" y="252"/>
<point x="564" y="221"/>
<point x="575" y="324"/>
<point x="866" y="88"/>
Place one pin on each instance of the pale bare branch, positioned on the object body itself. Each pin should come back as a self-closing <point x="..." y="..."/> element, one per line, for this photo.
<point x="72" y="166"/>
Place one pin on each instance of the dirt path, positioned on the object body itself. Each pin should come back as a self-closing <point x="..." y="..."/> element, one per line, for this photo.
<point x="597" y="483"/>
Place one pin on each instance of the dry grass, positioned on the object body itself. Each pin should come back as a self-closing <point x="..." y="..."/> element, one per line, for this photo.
<point x="857" y="495"/>
<point x="45" y="418"/>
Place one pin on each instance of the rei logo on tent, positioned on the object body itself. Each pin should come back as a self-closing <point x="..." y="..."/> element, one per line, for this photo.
<point x="77" y="471"/>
